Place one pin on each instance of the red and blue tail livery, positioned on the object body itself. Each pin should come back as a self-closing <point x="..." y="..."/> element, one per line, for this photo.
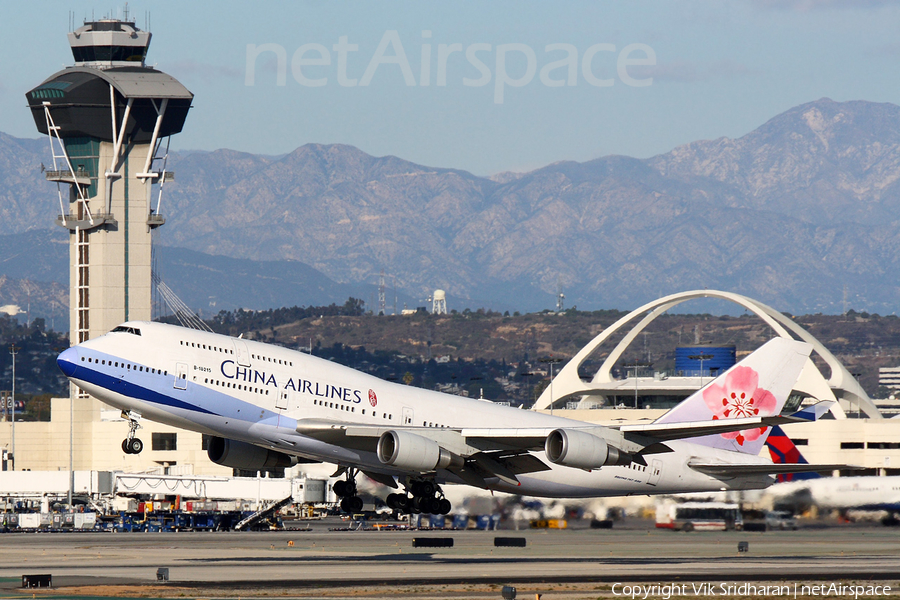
<point x="784" y="452"/>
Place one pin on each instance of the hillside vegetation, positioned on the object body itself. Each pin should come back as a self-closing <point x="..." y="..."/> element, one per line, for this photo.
<point x="863" y="342"/>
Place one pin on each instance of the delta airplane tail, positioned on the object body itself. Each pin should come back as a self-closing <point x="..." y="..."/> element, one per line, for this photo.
<point x="758" y="386"/>
<point x="784" y="452"/>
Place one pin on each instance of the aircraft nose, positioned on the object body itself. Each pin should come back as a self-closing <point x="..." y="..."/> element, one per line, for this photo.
<point x="68" y="361"/>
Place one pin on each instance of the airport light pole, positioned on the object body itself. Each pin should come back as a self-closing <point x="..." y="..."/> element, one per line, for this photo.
<point x="635" y="387"/>
<point x="72" y="394"/>
<point x="701" y="358"/>
<point x="13" y="351"/>
<point x="552" y="361"/>
<point x="634" y="367"/>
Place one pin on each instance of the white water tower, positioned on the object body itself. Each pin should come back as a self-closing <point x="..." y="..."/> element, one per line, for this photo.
<point x="439" y="303"/>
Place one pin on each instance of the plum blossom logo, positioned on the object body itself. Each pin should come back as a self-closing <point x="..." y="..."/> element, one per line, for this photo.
<point x="740" y="397"/>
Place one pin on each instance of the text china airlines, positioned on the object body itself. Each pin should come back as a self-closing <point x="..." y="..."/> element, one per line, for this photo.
<point x="231" y="370"/>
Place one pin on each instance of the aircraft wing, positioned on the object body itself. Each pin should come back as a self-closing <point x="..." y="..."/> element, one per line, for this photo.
<point x="724" y="469"/>
<point x="464" y="441"/>
<point x="501" y="453"/>
<point x="470" y="440"/>
<point x="504" y="452"/>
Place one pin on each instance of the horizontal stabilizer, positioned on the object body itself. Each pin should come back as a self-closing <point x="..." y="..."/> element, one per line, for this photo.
<point x="723" y="469"/>
<point x="814" y="412"/>
<point x="676" y="431"/>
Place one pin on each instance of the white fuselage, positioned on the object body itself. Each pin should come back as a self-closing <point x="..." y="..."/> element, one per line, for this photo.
<point x="872" y="493"/>
<point x="257" y="393"/>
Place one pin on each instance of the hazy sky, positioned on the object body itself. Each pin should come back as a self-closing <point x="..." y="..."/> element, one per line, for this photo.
<point x="486" y="87"/>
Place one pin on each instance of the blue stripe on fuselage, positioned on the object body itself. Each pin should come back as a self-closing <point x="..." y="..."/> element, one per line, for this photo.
<point x="122" y="386"/>
<point x="227" y="406"/>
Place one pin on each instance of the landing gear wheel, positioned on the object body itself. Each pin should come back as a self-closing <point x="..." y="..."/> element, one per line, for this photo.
<point x="397" y="501"/>
<point x="351" y="504"/>
<point x="423" y="488"/>
<point x="132" y="445"/>
<point x="427" y="497"/>
<point x="433" y="505"/>
<point x="340" y="489"/>
<point x="346" y="490"/>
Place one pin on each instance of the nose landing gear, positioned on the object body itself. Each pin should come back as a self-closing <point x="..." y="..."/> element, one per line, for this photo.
<point x="131" y="444"/>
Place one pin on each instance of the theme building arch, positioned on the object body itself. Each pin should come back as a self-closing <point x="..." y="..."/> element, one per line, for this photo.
<point x="841" y="385"/>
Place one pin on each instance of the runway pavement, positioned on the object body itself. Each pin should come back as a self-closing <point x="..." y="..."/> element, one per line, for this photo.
<point x="372" y="562"/>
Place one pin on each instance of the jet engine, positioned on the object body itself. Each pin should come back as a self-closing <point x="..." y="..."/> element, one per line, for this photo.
<point x="574" y="448"/>
<point x="412" y="452"/>
<point x="241" y="455"/>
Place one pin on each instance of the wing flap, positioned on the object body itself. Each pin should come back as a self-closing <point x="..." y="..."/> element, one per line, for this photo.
<point x="381" y="478"/>
<point x="507" y="439"/>
<point x="337" y="433"/>
<point x="524" y="463"/>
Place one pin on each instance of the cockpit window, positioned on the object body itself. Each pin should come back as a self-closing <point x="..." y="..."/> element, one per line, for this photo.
<point x="124" y="329"/>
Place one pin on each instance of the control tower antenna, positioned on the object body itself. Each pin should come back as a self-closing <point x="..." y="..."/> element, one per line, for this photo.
<point x="105" y="118"/>
<point x="381" y="301"/>
<point x="560" y="297"/>
<point x="394" y="286"/>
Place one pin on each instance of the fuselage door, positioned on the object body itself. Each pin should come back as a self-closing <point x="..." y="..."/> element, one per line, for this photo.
<point x="655" y="471"/>
<point x="181" y="370"/>
<point x="407" y="415"/>
<point x="281" y="403"/>
<point x="241" y="354"/>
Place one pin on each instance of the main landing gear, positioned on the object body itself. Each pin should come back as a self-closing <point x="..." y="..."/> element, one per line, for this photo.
<point x="427" y="497"/>
<point x="131" y="444"/>
<point x="345" y="489"/>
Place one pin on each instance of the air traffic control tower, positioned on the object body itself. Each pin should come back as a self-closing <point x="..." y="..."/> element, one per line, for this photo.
<point x="108" y="118"/>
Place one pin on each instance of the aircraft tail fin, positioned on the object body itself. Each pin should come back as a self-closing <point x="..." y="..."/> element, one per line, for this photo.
<point x="784" y="452"/>
<point x="758" y="386"/>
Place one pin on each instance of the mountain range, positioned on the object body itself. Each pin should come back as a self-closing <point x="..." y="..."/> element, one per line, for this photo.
<point x="801" y="213"/>
<point x="34" y="276"/>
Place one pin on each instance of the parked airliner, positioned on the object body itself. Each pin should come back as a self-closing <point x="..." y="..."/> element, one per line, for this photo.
<point x="268" y="407"/>
<point x="800" y="491"/>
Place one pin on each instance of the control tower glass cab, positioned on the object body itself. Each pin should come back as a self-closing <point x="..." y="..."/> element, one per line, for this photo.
<point x="109" y="43"/>
<point x="108" y="118"/>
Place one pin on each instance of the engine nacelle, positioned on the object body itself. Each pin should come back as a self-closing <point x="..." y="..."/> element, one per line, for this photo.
<point x="574" y="448"/>
<point x="412" y="452"/>
<point x="241" y="455"/>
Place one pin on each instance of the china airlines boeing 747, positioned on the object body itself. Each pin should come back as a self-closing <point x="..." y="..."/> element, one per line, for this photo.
<point x="268" y="407"/>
